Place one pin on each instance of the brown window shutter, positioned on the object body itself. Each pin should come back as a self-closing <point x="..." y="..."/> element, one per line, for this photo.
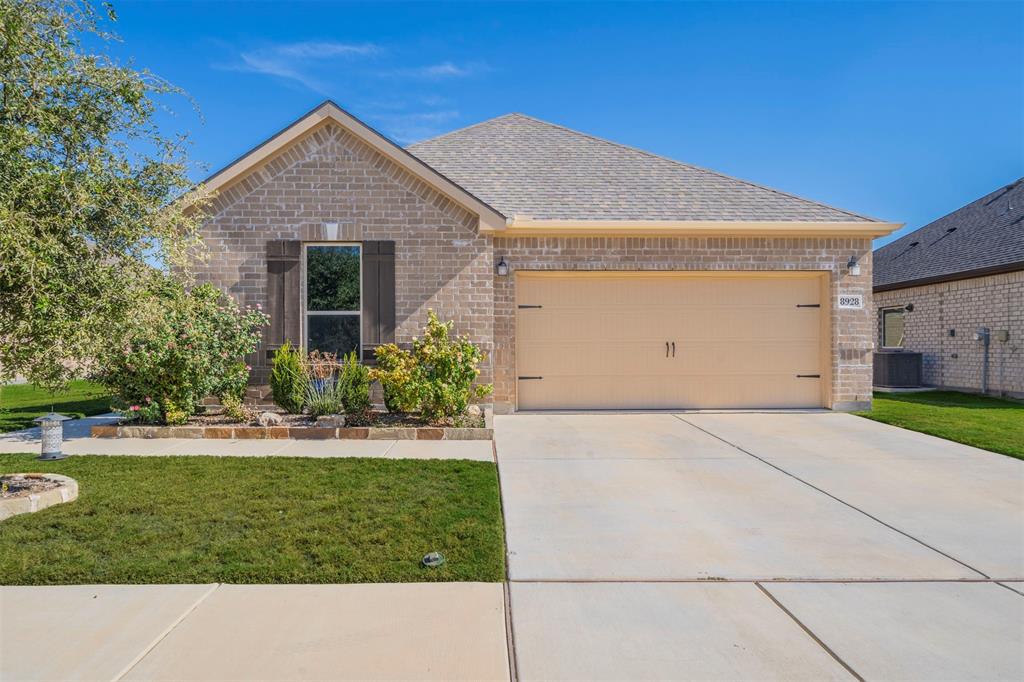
<point x="378" y="296"/>
<point x="283" y="293"/>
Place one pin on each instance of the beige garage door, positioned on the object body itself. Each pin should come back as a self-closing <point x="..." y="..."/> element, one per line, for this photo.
<point x="670" y="340"/>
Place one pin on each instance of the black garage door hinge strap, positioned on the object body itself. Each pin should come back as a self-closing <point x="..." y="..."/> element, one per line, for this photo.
<point x="529" y="378"/>
<point x="530" y="306"/>
<point x="808" y="305"/>
<point x="808" y="376"/>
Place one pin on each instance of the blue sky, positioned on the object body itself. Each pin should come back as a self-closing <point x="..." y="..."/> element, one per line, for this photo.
<point x="902" y="111"/>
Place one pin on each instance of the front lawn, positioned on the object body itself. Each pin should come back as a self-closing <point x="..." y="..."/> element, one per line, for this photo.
<point x="21" y="403"/>
<point x="257" y="520"/>
<point x="987" y="423"/>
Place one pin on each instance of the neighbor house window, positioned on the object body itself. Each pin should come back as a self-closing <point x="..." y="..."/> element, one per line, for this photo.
<point x="892" y="327"/>
<point x="333" y="298"/>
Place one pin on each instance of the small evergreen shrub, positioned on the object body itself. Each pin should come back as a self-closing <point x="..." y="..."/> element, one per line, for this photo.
<point x="289" y="379"/>
<point x="354" y="385"/>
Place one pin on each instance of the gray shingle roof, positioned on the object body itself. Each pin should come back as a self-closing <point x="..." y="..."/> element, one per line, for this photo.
<point x="526" y="167"/>
<point x="986" y="235"/>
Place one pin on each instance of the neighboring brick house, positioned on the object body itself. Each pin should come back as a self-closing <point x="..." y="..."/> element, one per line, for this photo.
<point x="940" y="286"/>
<point x="594" y="275"/>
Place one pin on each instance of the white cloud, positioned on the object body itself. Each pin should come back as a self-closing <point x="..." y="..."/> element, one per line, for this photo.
<point x="297" y="61"/>
<point x="325" y="50"/>
<point x="440" y="71"/>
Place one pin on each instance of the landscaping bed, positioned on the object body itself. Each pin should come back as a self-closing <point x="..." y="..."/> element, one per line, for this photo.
<point x="26" y="493"/>
<point x="374" y="425"/>
<point x="989" y="423"/>
<point x="258" y="520"/>
<point x="305" y="431"/>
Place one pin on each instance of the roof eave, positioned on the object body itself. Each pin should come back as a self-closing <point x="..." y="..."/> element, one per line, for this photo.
<point x="523" y="227"/>
<point x="952" y="276"/>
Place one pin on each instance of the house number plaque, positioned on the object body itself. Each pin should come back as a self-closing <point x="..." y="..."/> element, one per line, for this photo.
<point x="851" y="301"/>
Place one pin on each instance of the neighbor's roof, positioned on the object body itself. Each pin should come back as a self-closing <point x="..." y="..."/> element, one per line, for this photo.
<point x="983" y="237"/>
<point x="535" y="170"/>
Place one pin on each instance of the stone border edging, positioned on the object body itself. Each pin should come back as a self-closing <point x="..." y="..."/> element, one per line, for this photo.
<point x="26" y="504"/>
<point x="298" y="432"/>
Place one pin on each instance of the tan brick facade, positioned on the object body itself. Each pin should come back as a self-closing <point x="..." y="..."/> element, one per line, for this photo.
<point x="441" y="262"/>
<point x="851" y="329"/>
<point x="995" y="301"/>
<point x="444" y="263"/>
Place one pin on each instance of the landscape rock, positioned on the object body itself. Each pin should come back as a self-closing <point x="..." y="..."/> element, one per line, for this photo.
<point x="474" y="411"/>
<point x="269" y="419"/>
<point x="331" y="421"/>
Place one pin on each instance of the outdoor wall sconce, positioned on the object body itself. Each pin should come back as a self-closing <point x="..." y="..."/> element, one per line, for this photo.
<point x="502" y="268"/>
<point x="853" y="266"/>
<point x="909" y="307"/>
<point x="52" y="428"/>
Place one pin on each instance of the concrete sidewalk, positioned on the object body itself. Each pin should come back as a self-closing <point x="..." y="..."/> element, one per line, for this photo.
<point x="423" y="631"/>
<point x="77" y="441"/>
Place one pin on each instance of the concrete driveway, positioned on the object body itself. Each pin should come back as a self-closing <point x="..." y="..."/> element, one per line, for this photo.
<point x="759" y="545"/>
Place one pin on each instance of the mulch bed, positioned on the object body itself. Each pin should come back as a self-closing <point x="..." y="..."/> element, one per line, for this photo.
<point x="19" y="485"/>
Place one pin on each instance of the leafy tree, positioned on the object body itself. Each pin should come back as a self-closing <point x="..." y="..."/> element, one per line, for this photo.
<point x="92" y="195"/>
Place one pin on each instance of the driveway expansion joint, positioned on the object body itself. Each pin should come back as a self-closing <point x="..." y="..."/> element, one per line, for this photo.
<point x="837" y="499"/>
<point x="809" y="632"/>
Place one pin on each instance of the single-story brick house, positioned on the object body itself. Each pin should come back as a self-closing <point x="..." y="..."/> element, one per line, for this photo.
<point x="595" y="275"/>
<point x="939" y="287"/>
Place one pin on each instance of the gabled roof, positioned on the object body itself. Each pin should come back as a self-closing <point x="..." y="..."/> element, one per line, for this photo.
<point x="984" y="237"/>
<point x="329" y="111"/>
<point x="542" y="174"/>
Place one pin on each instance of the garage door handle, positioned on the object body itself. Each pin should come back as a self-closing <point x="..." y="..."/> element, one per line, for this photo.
<point x="808" y="376"/>
<point x="673" y="349"/>
<point x="666" y="349"/>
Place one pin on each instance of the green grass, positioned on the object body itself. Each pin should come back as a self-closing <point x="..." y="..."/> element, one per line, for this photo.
<point x="257" y="520"/>
<point x="987" y="423"/>
<point x="21" y="403"/>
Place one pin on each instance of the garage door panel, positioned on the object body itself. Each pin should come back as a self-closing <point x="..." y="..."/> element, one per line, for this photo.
<point x="709" y="322"/>
<point x="550" y="324"/>
<point x="598" y="340"/>
<point x="614" y="358"/>
<point x="725" y="356"/>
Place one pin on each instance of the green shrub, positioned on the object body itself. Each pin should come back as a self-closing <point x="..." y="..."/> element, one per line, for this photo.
<point x="446" y="370"/>
<point x="236" y="410"/>
<point x="354" y="384"/>
<point x="324" y="396"/>
<point x="177" y="348"/>
<point x="289" y="378"/>
<point x="396" y="372"/>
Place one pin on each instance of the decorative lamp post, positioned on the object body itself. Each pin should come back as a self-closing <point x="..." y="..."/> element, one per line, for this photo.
<point x="52" y="427"/>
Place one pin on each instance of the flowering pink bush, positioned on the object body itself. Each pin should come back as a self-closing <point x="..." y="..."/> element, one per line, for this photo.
<point x="185" y="346"/>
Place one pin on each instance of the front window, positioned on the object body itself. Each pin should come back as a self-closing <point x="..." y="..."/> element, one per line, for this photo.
<point x="892" y="328"/>
<point x="333" y="298"/>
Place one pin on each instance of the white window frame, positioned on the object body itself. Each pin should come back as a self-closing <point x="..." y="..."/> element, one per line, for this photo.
<point x="881" y="323"/>
<point x="306" y="312"/>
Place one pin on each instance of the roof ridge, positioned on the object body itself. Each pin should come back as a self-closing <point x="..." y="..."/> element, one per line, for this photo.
<point x="685" y="164"/>
<point x="464" y="129"/>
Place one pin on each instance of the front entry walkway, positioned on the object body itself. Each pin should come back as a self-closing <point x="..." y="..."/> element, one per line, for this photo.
<point x="758" y="546"/>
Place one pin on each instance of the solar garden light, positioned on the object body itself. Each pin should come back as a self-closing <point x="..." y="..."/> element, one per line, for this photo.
<point x="52" y="427"/>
